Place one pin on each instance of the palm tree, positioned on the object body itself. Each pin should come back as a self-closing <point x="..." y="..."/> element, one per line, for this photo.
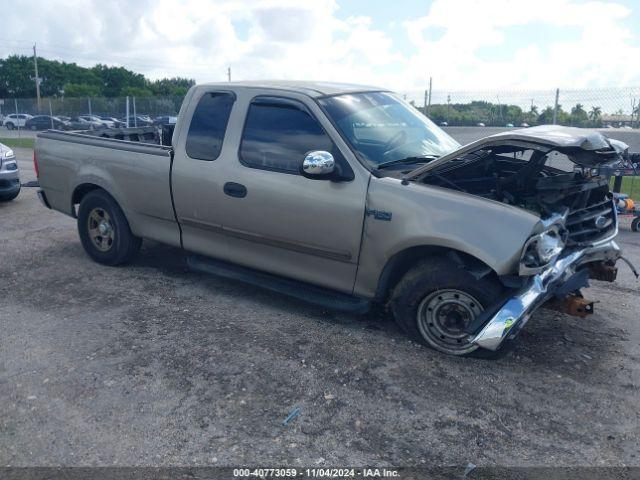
<point x="594" y="114"/>
<point x="578" y="109"/>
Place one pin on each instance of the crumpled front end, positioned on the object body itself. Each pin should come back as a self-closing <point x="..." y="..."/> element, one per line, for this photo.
<point x="560" y="174"/>
<point x="566" y="275"/>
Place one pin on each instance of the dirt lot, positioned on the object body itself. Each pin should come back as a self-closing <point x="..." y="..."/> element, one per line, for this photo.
<point x="154" y="365"/>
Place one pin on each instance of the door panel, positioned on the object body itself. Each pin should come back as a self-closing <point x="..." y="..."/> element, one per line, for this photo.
<point x="284" y="223"/>
<point x="305" y="229"/>
<point x="198" y="172"/>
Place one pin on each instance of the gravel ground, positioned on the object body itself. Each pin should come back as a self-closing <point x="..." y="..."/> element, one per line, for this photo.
<point x="154" y="365"/>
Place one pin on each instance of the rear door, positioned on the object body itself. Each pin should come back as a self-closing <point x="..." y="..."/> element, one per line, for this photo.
<point x="198" y="173"/>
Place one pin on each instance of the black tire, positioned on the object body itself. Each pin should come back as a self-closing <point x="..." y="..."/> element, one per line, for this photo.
<point x="9" y="126"/>
<point x="635" y="224"/>
<point x="437" y="299"/>
<point x="8" y="198"/>
<point x="117" y="245"/>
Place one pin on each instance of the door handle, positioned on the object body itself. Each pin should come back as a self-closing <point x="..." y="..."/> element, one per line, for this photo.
<point x="235" y="190"/>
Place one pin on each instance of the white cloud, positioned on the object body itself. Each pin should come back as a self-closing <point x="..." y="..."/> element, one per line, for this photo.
<point x="310" y="40"/>
<point x="602" y="56"/>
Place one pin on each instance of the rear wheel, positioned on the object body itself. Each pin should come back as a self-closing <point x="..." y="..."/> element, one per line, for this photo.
<point x="9" y="126"/>
<point x="437" y="300"/>
<point x="104" y="231"/>
<point x="635" y="224"/>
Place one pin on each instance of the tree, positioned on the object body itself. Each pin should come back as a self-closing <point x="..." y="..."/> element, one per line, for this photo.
<point x="578" y="116"/>
<point x="16" y="77"/>
<point x="171" y="87"/>
<point x="546" y="116"/>
<point x="115" y="79"/>
<point x="80" y="90"/>
<point x="595" y="113"/>
<point x="135" y="92"/>
<point x="532" y="115"/>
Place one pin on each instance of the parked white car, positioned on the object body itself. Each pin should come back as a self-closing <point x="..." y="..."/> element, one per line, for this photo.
<point x="16" y="120"/>
<point x="98" y="121"/>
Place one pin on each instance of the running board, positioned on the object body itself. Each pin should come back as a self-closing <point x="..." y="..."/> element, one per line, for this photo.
<point x="309" y="293"/>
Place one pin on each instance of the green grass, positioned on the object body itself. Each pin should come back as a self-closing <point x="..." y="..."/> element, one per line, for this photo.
<point x="630" y="186"/>
<point x="18" y="142"/>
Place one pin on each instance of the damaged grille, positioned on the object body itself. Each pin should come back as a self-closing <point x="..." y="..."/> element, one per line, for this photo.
<point x="592" y="217"/>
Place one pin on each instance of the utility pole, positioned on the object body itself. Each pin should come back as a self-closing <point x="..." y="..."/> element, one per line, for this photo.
<point x="35" y="65"/>
<point x="229" y="74"/>
<point x="555" y="107"/>
<point x="430" y="89"/>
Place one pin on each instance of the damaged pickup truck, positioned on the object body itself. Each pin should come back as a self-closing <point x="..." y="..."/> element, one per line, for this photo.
<point x="346" y="196"/>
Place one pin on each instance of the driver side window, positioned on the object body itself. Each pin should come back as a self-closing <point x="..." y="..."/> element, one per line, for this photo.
<point x="278" y="133"/>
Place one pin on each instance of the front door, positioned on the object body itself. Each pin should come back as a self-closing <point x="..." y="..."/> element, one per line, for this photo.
<point x="278" y="221"/>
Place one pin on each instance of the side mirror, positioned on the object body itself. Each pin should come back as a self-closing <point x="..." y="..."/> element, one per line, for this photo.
<point x="318" y="164"/>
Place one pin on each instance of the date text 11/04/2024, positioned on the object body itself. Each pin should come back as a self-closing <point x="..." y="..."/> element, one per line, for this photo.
<point x="317" y="472"/>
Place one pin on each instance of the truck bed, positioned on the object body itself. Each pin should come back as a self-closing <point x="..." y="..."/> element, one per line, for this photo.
<point x="136" y="174"/>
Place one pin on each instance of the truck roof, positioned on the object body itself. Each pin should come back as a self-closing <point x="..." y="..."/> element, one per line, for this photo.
<point x="312" y="89"/>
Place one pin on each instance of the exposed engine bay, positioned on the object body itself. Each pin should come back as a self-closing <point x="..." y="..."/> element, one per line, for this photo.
<point x="519" y="175"/>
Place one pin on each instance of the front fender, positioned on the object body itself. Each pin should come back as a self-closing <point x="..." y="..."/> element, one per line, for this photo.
<point x="423" y="215"/>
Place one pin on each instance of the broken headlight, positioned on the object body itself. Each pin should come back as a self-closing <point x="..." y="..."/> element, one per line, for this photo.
<point x="541" y="249"/>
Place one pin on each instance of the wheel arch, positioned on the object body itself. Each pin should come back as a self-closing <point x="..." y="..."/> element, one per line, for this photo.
<point x="81" y="190"/>
<point x="400" y="263"/>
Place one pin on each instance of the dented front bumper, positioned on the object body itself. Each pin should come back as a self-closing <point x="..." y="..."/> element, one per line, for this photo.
<point x="516" y="311"/>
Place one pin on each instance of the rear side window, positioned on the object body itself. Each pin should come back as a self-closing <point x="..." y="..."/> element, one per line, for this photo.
<point x="208" y="125"/>
<point x="278" y="133"/>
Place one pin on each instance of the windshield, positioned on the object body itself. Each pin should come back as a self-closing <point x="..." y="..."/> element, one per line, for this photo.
<point x="382" y="128"/>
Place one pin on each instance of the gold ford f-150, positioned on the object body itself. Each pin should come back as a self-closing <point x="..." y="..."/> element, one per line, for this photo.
<point x="347" y="196"/>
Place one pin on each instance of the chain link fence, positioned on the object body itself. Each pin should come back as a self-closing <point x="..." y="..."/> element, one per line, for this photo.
<point x="101" y="106"/>
<point x="596" y="108"/>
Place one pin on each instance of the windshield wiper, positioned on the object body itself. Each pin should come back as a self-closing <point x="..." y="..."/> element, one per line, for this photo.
<point x="412" y="159"/>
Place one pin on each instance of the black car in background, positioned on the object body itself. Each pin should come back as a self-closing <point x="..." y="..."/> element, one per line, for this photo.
<point x="45" y="122"/>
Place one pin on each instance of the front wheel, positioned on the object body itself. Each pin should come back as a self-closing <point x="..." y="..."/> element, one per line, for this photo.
<point x="635" y="224"/>
<point x="437" y="300"/>
<point x="104" y="231"/>
<point x="9" y="126"/>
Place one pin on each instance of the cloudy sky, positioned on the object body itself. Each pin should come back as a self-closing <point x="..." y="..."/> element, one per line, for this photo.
<point x="463" y="44"/>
